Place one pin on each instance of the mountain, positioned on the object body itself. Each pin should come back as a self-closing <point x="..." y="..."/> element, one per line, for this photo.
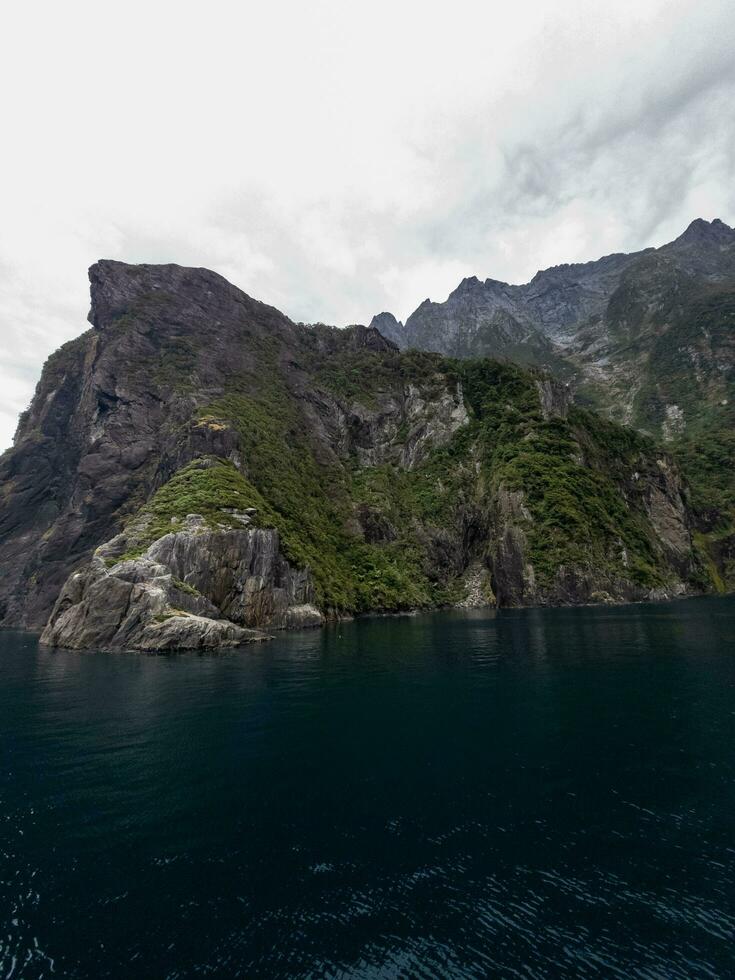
<point x="647" y="338"/>
<point x="602" y="324"/>
<point x="197" y="468"/>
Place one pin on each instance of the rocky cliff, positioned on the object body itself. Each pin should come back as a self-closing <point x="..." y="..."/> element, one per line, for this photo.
<point x="196" y="469"/>
<point x="647" y="338"/>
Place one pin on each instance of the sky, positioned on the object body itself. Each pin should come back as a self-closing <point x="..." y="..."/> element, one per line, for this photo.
<point x="337" y="159"/>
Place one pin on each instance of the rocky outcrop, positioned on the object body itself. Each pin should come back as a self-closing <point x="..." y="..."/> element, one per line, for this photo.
<point x="136" y="606"/>
<point x="105" y="425"/>
<point x="243" y="573"/>
<point x="515" y="580"/>
<point x="403" y="429"/>
<point x="193" y="588"/>
<point x="513" y="576"/>
<point x="478" y="589"/>
<point x="391" y="328"/>
<point x="664" y="504"/>
<point x="554" y="398"/>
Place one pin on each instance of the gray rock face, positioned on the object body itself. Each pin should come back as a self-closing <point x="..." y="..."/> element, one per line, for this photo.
<point x="664" y="505"/>
<point x="555" y="399"/>
<point x="428" y="422"/>
<point x="602" y="324"/>
<point x="477" y="318"/>
<point x="389" y="327"/>
<point x="514" y="580"/>
<point x="657" y="487"/>
<point x="493" y="318"/>
<point x="243" y="573"/>
<point x="135" y="606"/>
<point x="110" y="421"/>
<point x="195" y="588"/>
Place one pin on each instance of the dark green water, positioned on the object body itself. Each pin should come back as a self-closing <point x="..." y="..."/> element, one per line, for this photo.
<point x="533" y="794"/>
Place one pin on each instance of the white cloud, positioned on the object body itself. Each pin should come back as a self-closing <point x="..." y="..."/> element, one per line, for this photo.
<point x="340" y="159"/>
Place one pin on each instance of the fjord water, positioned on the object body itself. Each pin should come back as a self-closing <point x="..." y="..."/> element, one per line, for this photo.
<point x="535" y="793"/>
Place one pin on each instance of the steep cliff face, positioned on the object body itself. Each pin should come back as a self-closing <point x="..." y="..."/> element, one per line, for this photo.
<point x="194" y="587"/>
<point x="196" y="467"/>
<point x="648" y="339"/>
<point x="108" y="423"/>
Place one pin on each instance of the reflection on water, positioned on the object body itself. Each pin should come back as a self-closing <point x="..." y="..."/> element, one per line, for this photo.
<point x="529" y="793"/>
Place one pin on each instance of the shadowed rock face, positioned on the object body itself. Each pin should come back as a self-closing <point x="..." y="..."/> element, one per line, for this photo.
<point x="103" y="429"/>
<point x="243" y="573"/>
<point x="196" y="468"/>
<point x="109" y="421"/>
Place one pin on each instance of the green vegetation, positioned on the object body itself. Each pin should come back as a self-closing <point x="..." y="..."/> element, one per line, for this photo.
<point x="361" y="376"/>
<point x="707" y="460"/>
<point x="684" y="364"/>
<point x="312" y="503"/>
<point x="210" y="487"/>
<point x="176" y="364"/>
<point x="688" y="365"/>
<point x="570" y="471"/>
<point x="62" y="371"/>
<point x="185" y="587"/>
<point x="574" y="474"/>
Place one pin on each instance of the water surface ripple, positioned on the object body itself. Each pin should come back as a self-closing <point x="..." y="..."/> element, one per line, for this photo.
<point x="536" y="793"/>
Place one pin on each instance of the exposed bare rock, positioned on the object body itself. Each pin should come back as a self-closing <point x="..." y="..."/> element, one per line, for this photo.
<point x="478" y="590"/>
<point x="404" y="428"/>
<point x="512" y="574"/>
<point x="203" y="587"/>
<point x="190" y="632"/>
<point x="555" y="398"/>
<point x="667" y="512"/>
<point x="391" y="328"/>
<point x="242" y="572"/>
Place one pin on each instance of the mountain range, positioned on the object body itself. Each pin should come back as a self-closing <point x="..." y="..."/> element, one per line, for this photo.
<point x="197" y="469"/>
<point x="646" y="338"/>
<point x="613" y="327"/>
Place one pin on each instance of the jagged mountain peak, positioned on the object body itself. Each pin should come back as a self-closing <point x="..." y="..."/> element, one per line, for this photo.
<point x="388" y="326"/>
<point x="567" y="271"/>
<point x="560" y="304"/>
<point x="707" y="232"/>
<point x="470" y="284"/>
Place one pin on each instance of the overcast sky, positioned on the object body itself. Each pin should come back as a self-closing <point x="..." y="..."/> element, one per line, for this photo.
<point x="341" y="158"/>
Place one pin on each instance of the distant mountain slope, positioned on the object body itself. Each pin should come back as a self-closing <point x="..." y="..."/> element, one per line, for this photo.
<point x="596" y="323"/>
<point x="647" y="338"/>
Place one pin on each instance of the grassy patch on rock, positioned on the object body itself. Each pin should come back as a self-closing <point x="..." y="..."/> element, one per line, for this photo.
<point x="209" y="487"/>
